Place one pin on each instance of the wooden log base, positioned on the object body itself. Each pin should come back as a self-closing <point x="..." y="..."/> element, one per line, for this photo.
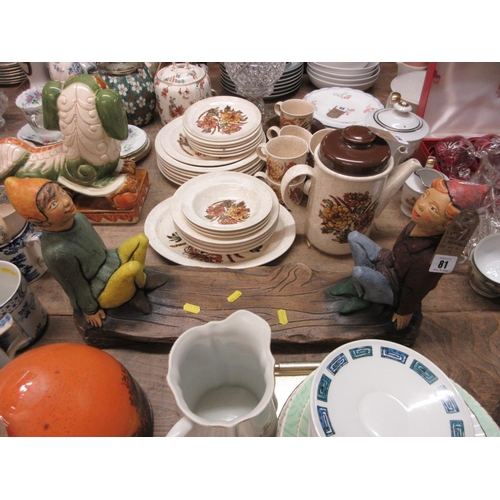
<point x="312" y="314"/>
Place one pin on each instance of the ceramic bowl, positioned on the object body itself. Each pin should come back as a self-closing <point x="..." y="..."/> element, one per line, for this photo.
<point x="344" y="65"/>
<point x="321" y="83"/>
<point x="345" y="71"/>
<point x="224" y="202"/>
<point x="380" y="388"/>
<point x="484" y="270"/>
<point x="348" y="79"/>
<point x="334" y="74"/>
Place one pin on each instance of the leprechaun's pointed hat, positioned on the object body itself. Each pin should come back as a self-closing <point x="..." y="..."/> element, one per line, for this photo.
<point x="465" y="194"/>
<point x="22" y="194"/>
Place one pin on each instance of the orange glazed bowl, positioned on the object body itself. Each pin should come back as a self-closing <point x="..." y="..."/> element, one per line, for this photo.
<point x="71" y="390"/>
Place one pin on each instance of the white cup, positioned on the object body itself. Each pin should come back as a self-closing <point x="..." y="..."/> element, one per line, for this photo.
<point x="415" y="186"/>
<point x="484" y="269"/>
<point x="22" y="318"/>
<point x="222" y="378"/>
<point x="295" y="189"/>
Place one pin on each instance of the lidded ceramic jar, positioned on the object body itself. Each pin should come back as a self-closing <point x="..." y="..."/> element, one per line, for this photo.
<point x="354" y="151"/>
<point x="177" y="87"/>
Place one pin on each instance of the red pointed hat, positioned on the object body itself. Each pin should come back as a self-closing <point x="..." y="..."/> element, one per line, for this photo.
<point x="22" y="196"/>
<point x="466" y="194"/>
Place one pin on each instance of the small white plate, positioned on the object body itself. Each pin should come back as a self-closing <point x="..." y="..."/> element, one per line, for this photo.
<point x="380" y="388"/>
<point x="339" y="107"/>
<point x="294" y="415"/>
<point x="160" y="230"/>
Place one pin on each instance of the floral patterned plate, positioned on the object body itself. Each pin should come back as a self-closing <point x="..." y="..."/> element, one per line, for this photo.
<point x="160" y="230"/>
<point x="339" y="107"/>
<point x="294" y="416"/>
<point x="136" y="139"/>
<point x="175" y="144"/>
<point x="222" y="119"/>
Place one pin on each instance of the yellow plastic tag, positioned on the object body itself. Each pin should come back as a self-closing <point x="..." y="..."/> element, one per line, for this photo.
<point x="282" y="317"/>
<point x="235" y="295"/>
<point x="191" y="308"/>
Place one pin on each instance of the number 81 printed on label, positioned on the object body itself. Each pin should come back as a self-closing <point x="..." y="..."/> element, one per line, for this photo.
<point x="443" y="264"/>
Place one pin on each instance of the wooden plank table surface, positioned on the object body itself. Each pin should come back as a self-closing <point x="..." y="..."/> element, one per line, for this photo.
<point x="460" y="330"/>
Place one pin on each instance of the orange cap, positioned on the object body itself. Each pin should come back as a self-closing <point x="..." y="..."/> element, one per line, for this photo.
<point x="22" y="193"/>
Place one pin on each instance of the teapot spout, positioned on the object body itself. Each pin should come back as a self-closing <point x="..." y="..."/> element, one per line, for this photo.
<point x="395" y="180"/>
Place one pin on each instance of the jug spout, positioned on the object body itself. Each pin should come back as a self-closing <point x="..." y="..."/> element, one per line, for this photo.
<point x="396" y="180"/>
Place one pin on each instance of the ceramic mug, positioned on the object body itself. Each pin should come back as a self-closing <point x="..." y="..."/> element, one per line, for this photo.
<point x="282" y="153"/>
<point x="295" y="112"/>
<point x="22" y="317"/>
<point x="25" y="251"/>
<point x="222" y="378"/>
<point x="484" y="268"/>
<point x="338" y="203"/>
<point x="295" y="191"/>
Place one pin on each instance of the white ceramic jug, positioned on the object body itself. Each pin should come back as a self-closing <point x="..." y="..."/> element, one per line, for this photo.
<point x="222" y="378"/>
<point x="339" y="203"/>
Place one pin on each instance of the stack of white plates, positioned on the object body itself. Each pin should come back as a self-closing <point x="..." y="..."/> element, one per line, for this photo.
<point x="360" y="76"/>
<point x="225" y="212"/>
<point x="178" y="162"/>
<point x="136" y="146"/>
<point x="289" y="82"/>
<point x="11" y="73"/>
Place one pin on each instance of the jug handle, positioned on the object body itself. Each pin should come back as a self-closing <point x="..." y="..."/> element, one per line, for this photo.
<point x="299" y="212"/>
<point x="181" y="428"/>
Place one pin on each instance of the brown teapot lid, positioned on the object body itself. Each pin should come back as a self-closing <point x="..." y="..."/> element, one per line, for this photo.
<point x="354" y="150"/>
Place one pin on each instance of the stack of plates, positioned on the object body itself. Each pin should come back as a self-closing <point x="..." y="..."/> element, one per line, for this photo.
<point x="179" y="162"/>
<point x="11" y="73"/>
<point x="136" y="146"/>
<point x="360" y="76"/>
<point x="225" y="212"/>
<point x="289" y="81"/>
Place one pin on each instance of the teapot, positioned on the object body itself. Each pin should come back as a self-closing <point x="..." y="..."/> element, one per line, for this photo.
<point x="401" y="128"/>
<point x="177" y="87"/>
<point x="352" y="181"/>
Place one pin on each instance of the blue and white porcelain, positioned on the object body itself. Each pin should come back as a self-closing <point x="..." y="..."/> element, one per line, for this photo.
<point x="22" y="317"/>
<point x="24" y="251"/>
<point x="380" y="388"/>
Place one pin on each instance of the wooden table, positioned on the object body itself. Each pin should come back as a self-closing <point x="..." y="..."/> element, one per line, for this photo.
<point x="460" y="330"/>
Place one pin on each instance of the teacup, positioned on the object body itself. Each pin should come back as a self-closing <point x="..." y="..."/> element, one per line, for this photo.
<point x="484" y="269"/>
<point x="22" y="317"/>
<point x="222" y="378"/>
<point x="24" y="251"/>
<point x="282" y="153"/>
<point x="295" y="190"/>
<point x="294" y="130"/>
<point x="295" y="112"/>
<point x="415" y="186"/>
<point x="30" y="103"/>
